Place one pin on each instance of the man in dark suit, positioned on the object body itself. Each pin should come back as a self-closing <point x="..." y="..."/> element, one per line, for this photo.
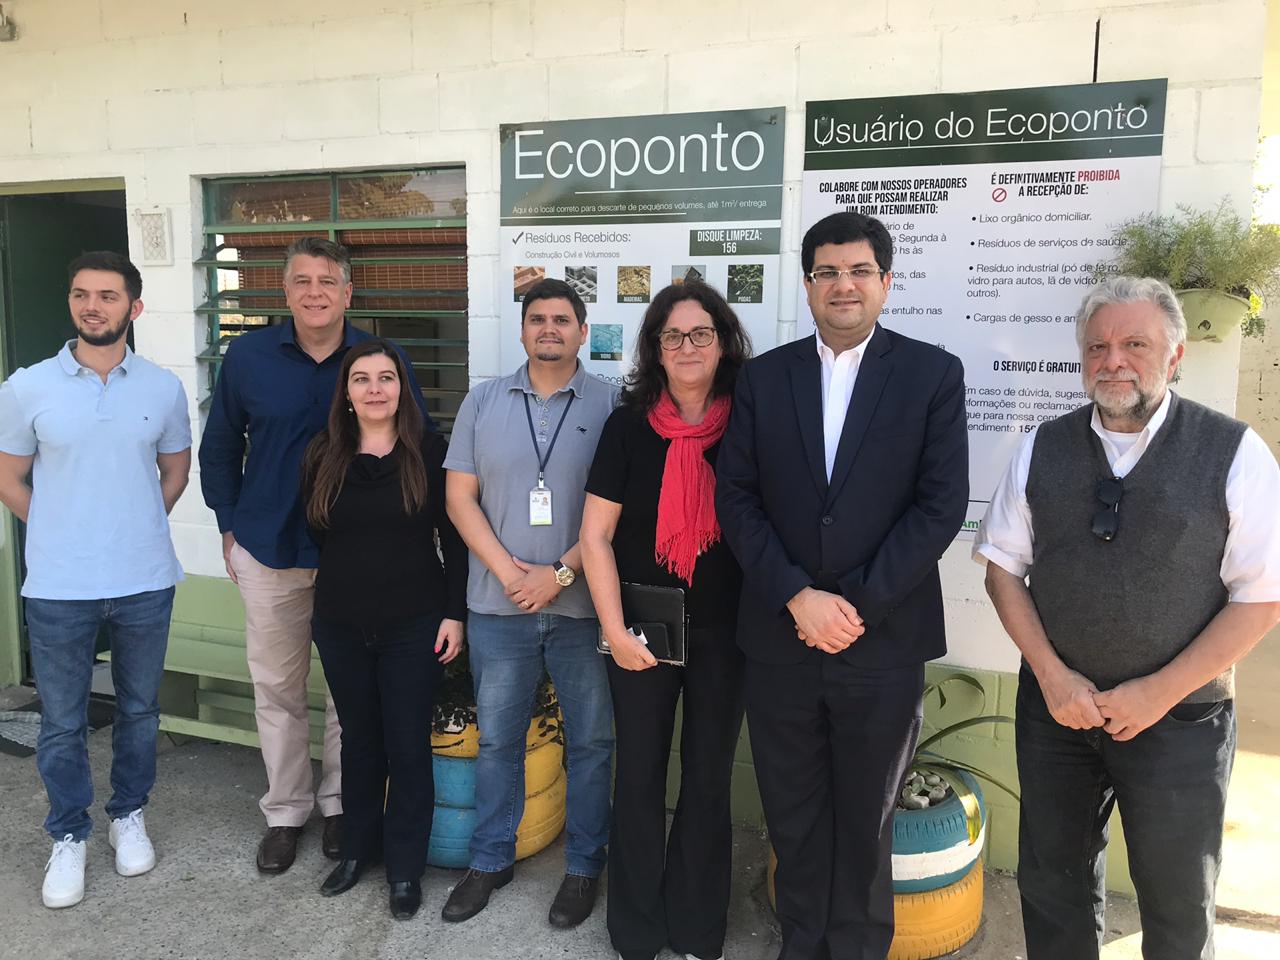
<point x="842" y="478"/>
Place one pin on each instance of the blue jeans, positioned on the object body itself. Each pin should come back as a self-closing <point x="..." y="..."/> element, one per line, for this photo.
<point x="62" y="634"/>
<point x="508" y="655"/>
<point x="1170" y="782"/>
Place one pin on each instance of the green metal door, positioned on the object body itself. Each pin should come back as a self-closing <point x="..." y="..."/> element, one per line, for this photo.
<point x="39" y="236"/>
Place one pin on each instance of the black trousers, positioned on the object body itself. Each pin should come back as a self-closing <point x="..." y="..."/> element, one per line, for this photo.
<point x="383" y="682"/>
<point x="674" y="892"/>
<point x="1170" y="782"/>
<point x="832" y="743"/>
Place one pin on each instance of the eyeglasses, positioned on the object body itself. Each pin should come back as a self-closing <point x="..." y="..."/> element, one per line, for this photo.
<point x="698" y="336"/>
<point x="1106" y="522"/>
<point x="825" y="276"/>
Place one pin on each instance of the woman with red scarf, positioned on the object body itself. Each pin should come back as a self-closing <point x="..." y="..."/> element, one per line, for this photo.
<point x="650" y="518"/>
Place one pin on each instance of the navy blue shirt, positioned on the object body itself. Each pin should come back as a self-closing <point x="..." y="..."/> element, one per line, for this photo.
<point x="272" y="396"/>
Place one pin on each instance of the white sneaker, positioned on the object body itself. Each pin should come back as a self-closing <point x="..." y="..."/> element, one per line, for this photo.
<point x="134" y="853"/>
<point x="64" y="874"/>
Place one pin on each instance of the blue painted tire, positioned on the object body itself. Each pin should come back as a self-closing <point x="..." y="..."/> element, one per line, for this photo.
<point x="455" y="777"/>
<point x="451" y="827"/>
<point x="931" y="847"/>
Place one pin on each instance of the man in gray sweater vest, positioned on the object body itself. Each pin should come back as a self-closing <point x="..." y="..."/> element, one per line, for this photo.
<point x="1149" y="526"/>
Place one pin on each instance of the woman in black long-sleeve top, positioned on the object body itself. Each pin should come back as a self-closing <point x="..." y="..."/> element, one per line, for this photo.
<point x="650" y="518"/>
<point x="388" y="614"/>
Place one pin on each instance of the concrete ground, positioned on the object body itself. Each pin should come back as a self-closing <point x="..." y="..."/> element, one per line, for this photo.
<point x="205" y="899"/>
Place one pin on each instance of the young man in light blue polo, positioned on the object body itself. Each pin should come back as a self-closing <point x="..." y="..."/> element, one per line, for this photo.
<point x="105" y="438"/>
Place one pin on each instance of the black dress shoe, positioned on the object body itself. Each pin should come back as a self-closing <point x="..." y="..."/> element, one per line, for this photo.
<point x="574" y="901"/>
<point x="343" y="877"/>
<point x="332" y="840"/>
<point x="278" y="848"/>
<point x="406" y="897"/>
<point x="471" y="895"/>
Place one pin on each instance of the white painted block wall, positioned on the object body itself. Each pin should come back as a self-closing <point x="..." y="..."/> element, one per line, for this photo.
<point x="163" y="93"/>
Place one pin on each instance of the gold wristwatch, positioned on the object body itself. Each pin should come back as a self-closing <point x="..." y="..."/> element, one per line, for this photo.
<point x="565" y="575"/>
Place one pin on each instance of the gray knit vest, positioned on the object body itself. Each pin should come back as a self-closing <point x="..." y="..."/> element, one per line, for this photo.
<point x="1119" y="610"/>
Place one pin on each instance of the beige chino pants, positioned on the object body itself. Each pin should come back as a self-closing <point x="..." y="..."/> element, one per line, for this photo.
<point x="277" y="634"/>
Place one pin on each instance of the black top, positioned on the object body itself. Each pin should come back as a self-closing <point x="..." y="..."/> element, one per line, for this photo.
<point x="376" y="564"/>
<point x="627" y="470"/>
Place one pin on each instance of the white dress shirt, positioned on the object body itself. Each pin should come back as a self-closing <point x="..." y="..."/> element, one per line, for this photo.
<point x="1251" y="558"/>
<point x="839" y="374"/>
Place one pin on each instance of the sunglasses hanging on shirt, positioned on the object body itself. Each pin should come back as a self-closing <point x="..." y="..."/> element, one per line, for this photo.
<point x="1106" y="522"/>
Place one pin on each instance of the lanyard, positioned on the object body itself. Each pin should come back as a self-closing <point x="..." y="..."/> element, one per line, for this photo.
<point x="544" y="460"/>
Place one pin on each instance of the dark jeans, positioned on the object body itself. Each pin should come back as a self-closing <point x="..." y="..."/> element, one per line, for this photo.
<point x="683" y="902"/>
<point x="1170" y="782"/>
<point x="63" y="633"/>
<point x="832" y="742"/>
<point x="383" y="681"/>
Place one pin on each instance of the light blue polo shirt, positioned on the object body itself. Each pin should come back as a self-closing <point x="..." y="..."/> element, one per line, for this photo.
<point x="97" y="526"/>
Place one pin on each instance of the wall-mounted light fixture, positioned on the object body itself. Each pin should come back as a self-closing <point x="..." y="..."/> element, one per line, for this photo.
<point x="8" y="29"/>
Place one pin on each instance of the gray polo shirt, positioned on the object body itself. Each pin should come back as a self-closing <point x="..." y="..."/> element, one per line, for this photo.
<point x="491" y="440"/>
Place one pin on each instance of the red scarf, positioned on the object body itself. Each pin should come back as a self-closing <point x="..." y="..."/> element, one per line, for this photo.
<point x="687" y="523"/>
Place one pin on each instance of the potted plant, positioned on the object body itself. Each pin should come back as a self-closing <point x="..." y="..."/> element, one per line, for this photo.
<point x="1220" y="265"/>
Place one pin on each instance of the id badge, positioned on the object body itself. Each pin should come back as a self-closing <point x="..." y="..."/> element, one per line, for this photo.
<point x="540" y="507"/>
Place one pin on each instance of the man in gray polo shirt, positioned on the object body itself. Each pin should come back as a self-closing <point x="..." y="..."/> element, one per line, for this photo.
<point x="517" y="467"/>
<point x="105" y="435"/>
<point x="1149" y="527"/>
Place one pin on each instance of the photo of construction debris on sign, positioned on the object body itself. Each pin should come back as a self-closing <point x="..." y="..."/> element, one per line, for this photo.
<point x="583" y="281"/>
<point x="746" y="283"/>
<point x="688" y="273"/>
<point x="525" y="278"/>
<point x="633" y="284"/>
<point x="606" y="341"/>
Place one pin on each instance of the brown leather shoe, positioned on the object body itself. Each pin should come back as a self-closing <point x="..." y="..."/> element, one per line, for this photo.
<point x="278" y="848"/>
<point x="331" y="843"/>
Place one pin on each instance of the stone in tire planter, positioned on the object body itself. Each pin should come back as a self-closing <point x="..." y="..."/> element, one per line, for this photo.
<point x="936" y="922"/>
<point x="931" y="847"/>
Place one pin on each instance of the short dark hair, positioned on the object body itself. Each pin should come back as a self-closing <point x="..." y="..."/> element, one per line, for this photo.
<point x="112" y="262"/>
<point x="550" y="289"/>
<point x="647" y="380"/>
<point x="320" y="247"/>
<point x="848" y="227"/>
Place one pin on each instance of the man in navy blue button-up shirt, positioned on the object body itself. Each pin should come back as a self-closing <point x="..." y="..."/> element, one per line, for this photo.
<point x="273" y="396"/>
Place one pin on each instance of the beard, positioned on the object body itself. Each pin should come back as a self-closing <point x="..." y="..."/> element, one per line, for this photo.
<point x="105" y="337"/>
<point x="1138" y="408"/>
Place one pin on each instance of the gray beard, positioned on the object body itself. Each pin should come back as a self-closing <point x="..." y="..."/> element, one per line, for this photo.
<point x="1138" y="410"/>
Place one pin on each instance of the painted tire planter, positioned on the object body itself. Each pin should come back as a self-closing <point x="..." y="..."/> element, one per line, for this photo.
<point x="931" y="847"/>
<point x="927" y="924"/>
<point x="455" y="777"/>
<point x="451" y="827"/>
<point x="936" y="922"/>
<point x="453" y="764"/>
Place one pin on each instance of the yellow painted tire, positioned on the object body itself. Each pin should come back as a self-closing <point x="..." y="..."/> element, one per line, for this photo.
<point x="543" y="765"/>
<point x="462" y="743"/>
<point x="466" y="742"/>
<point x="926" y="924"/>
<point x="543" y="819"/>
<point x="936" y="922"/>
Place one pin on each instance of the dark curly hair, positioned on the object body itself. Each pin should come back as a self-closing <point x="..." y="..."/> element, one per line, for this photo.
<point x="647" y="380"/>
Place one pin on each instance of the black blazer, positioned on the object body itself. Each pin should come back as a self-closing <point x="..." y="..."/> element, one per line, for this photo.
<point x="897" y="497"/>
